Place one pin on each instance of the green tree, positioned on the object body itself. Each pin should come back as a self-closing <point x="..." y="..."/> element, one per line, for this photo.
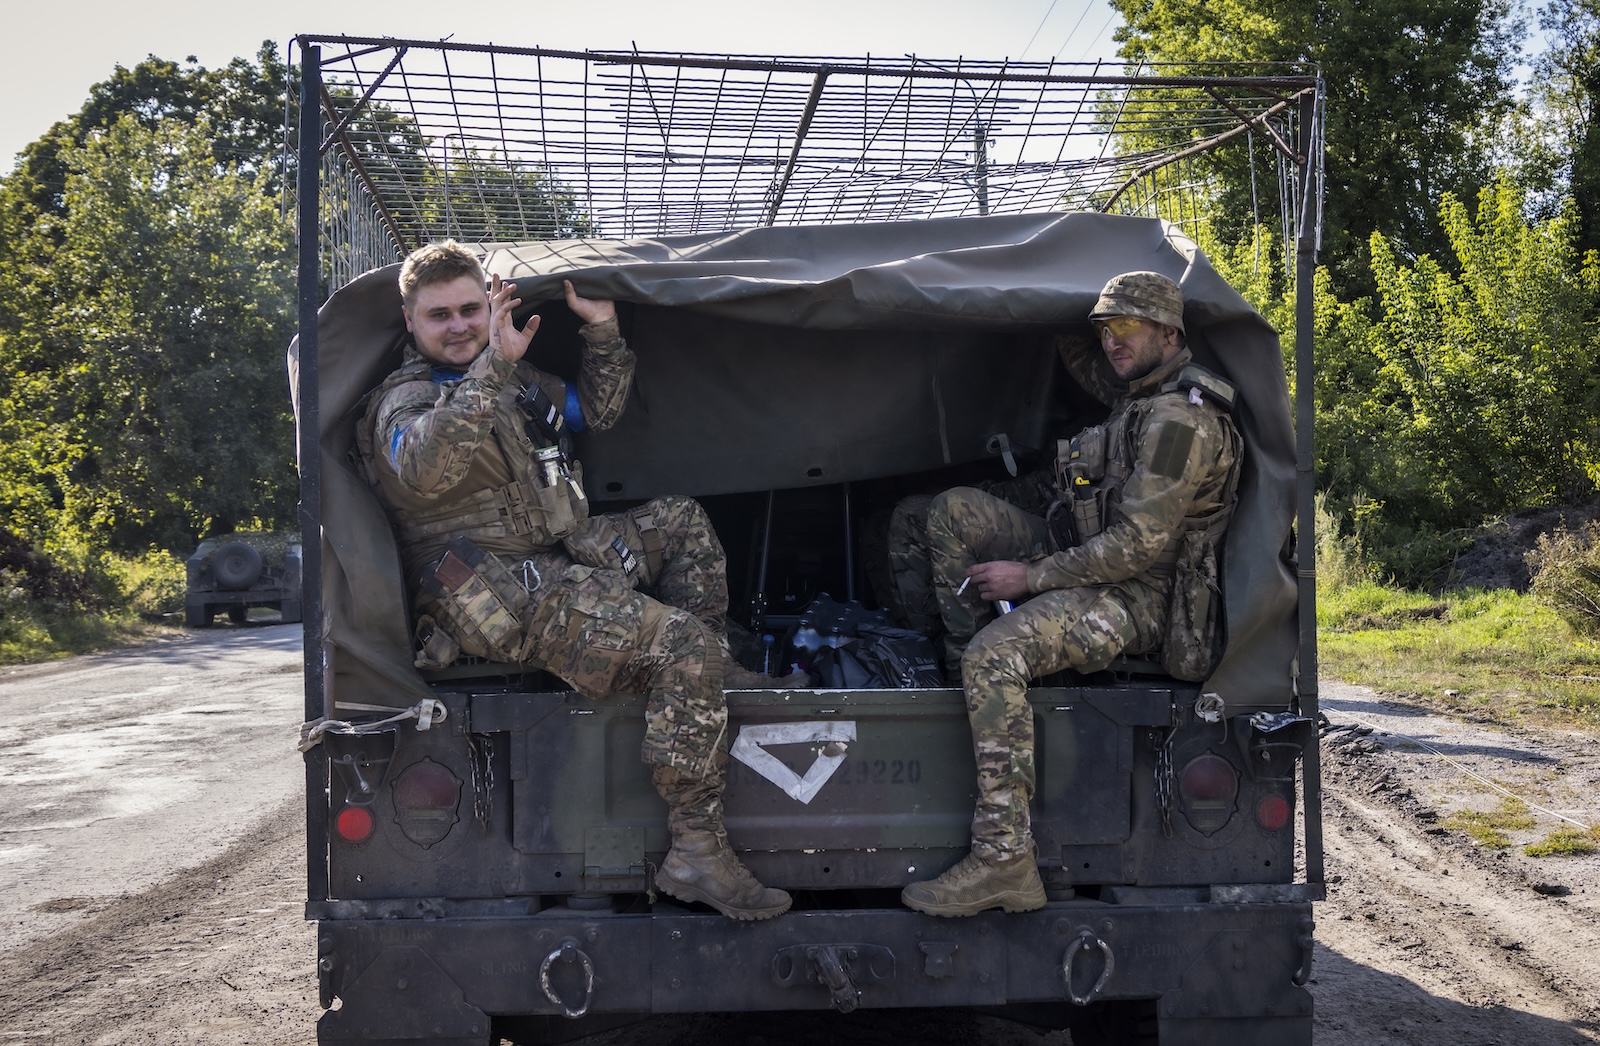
<point x="1567" y="76"/>
<point x="486" y="199"/>
<point x="1459" y="396"/>
<point x="241" y="103"/>
<point x="1412" y="84"/>
<point x="146" y="366"/>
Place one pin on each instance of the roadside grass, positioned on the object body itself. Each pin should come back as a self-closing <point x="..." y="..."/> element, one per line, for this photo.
<point x="129" y="601"/>
<point x="28" y="638"/>
<point x="1495" y="656"/>
<point x="1566" y="842"/>
<point x="1489" y="828"/>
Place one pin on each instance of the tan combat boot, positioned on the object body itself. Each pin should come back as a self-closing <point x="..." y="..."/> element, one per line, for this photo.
<point x="701" y="867"/>
<point x="977" y="884"/>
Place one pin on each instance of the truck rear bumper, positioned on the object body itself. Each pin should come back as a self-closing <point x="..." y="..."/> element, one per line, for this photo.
<point x="1210" y="967"/>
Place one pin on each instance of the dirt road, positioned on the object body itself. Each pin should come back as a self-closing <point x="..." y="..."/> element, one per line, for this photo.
<point x="1425" y="938"/>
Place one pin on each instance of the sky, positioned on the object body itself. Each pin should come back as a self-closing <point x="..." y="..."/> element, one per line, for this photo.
<point x="49" y="82"/>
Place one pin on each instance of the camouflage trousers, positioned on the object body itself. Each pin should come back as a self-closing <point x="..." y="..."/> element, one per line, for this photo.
<point x="657" y="629"/>
<point x="1083" y="628"/>
<point x="911" y="594"/>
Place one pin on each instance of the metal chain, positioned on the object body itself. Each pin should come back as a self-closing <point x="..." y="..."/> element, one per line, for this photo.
<point x="488" y="780"/>
<point x="1163" y="748"/>
<point x="482" y="782"/>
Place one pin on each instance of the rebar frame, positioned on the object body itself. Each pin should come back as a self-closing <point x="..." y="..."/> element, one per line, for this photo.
<point x="423" y="140"/>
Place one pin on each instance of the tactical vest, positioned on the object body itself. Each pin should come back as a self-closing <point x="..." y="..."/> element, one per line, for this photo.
<point x="1091" y="469"/>
<point x="1093" y="466"/>
<point x="503" y="504"/>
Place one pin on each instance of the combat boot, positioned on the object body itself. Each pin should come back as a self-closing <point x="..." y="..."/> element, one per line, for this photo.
<point x="701" y="867"/>
<point x="977" y="884"/>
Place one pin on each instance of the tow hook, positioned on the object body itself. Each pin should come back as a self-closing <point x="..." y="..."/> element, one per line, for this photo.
<point x="568" y="951"/>
<point x="1308" y="947"/>
<point x="835" y="966"/>
<point x="1082" y="945"/>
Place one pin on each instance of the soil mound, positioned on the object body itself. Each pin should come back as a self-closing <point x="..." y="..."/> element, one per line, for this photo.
<point x="1498" y="557"/>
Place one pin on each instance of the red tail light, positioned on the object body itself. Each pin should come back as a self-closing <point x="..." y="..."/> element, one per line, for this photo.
<point x="1272" y="813"/>
<point x="426" y="795"/>
<point x="1208" y="786"/>
<point x="354" y="824"/>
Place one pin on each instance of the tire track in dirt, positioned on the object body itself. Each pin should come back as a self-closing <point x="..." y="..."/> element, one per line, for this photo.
<point x="1431" y="938"/>
<point x="217" y="954"/>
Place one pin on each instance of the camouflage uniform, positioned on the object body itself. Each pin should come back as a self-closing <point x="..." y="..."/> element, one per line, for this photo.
<point x="631" y="602"/>
<point x="1097" y="599"/>
<point x="911" y="595"/>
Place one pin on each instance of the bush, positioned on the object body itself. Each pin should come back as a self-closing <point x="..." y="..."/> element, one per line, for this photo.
<point x="151" y="585"/>
<point x="1566" y="575"/>
<point x="1339" y="560"/>
<point x="26" y="575"/>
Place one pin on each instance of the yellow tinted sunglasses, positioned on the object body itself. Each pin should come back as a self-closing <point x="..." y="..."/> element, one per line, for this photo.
<point x="1118" y="326"/>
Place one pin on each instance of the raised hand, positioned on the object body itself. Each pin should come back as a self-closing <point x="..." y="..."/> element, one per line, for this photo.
<point x="589" y="310"/>
<point x="504" y="337"/>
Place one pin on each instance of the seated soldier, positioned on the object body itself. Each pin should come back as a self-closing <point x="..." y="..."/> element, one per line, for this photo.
<point x="468" y="447"/>
<point x="1096" y="573"/>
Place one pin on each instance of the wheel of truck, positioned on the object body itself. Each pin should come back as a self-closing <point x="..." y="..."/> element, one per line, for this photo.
<point x="290" y="611"/>
<point x="238" y="615"/>
<point x="237" y="564"/>
<point x="197" y="615"/>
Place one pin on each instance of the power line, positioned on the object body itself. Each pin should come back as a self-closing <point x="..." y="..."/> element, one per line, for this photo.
<point x="1040" y="26"/>
<point x="1087" y="50"/>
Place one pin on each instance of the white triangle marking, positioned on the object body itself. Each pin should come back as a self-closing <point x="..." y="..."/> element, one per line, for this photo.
<point x="749" y="749"/>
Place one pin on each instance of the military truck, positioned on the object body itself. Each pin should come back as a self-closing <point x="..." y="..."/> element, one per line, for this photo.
<point x="482" y="840"/>
<point x="232" y="573"/>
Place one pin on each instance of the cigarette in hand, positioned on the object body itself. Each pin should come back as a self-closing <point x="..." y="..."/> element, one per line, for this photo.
<point x="964" y="583"/>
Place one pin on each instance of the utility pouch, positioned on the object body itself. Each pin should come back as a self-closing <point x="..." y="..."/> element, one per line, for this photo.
<point x="436" y="648"/>
<point x="1081" y="460"/>
<point x="480" y="603"/>
<point x="546" y="514"/>
<point x="1190" y="649"/>
<point x="1063" y="529"/>
<point x="1088" y="513"/>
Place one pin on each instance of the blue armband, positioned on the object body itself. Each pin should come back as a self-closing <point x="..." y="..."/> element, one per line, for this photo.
<point x="573" y="412"/>
<point x="394" y="447"/>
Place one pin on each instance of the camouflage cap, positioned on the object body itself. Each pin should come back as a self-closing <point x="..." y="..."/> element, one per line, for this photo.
<point x="1148" y="295"/>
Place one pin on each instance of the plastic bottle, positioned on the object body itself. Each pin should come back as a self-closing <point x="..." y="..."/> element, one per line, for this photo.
<point x="767" y="645"/>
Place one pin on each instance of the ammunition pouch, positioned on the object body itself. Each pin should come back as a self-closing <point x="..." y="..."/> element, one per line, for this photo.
<point x="543" y="514"/>
<point x="477" y="601"/>
<point x="1192" y="647"/>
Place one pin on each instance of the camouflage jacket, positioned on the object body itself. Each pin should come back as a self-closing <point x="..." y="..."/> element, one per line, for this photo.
<point x="449" y="453"/>
<point x="1177" y="451"/>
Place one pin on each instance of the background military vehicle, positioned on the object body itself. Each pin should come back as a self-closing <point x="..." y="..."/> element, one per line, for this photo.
<point x="824" y="322"/>
<point x="232" y="573"/>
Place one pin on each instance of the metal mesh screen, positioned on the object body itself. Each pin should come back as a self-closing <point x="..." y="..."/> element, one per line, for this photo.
<point x="491" y="144"/>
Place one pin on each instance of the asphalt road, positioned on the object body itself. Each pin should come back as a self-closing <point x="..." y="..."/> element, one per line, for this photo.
<point x="119" y="770"/>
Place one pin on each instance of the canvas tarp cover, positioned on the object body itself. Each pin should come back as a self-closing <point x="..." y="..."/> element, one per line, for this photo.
<point x="782" y="357"/>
